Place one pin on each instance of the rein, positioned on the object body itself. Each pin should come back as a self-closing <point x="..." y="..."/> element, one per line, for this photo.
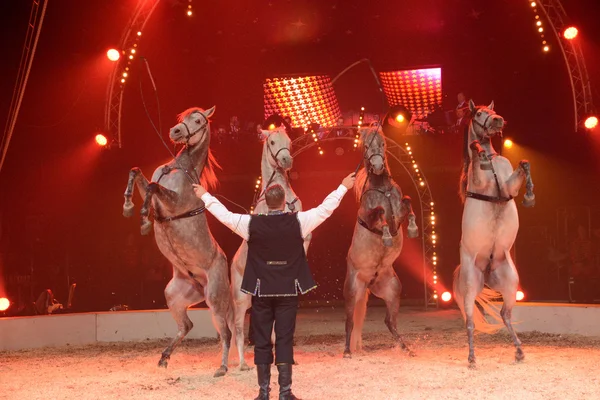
<point x="490" y="199"/>
<point x="386" y="193"/>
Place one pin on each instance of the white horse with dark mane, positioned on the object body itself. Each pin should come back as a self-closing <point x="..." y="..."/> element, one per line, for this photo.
<point x="276" y="162"/>
<point x="182" y="233"/>
<point x="376" y="242"/>
<point x="489" y="228"/>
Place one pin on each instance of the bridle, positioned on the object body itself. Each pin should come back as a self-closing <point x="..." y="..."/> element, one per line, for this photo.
<point x="491" y="199"/>
<point x="387" y="193"/>
<point x="191" y="134"/>
<point x="483" y="125"/>
<point x="258" y="198"/>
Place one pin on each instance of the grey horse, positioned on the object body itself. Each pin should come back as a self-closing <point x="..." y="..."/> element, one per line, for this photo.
<point x="490" y="224"/>
<point x="182" y="233"/>
<point x="376" y="243"/>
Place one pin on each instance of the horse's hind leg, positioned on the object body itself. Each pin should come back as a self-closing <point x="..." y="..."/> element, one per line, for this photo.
<point x="180" y="293"/>
<point x="468" y="285"/>
<point x="241" y="303"/>
<point x="355" y="295"/>
<point x="135" y="177"/>
<point x="505" y="279"/>
<point x="388" y="288"/>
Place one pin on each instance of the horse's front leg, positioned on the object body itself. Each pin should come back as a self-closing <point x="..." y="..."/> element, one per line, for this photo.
<point x="479" y="164"/>
<point x="135" y="176"/>
<point x="407" y="212"/>
<point x="166" y="197"/>
<point x="514" y="182"/>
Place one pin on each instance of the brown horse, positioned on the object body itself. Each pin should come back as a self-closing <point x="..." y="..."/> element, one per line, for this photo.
<point x="376" y="243"/>
<point x="182" y="233"/>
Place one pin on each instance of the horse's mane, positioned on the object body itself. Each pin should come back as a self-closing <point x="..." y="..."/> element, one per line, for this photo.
<point x="359" y="183"/>
<point x="208" y="178"/>
<point x="188" y="112"/>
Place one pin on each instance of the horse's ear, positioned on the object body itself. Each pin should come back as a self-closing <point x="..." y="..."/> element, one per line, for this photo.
<point x="264" y="134"/>
<point x="491" y="106"/>
<point x="209" y="113"/>
<point x="472" y="106"/>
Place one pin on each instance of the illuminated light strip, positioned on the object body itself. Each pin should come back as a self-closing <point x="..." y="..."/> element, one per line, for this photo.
<point x="431" y="218"/>
<point x="303" y="99"/>
<point x="417" y="90"/>
<point x="256" y="191"/>
<point x="309" y="129"/>
<point x="539" y="26"/>
<point x="361" y="118"/>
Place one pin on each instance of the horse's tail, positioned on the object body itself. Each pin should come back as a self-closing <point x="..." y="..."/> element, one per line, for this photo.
<point x="360" y="311"/>
<point x="485" y="305"/>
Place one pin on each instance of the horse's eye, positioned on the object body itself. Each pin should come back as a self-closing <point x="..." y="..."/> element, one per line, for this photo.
<point x="198" y="121"/>
<point x="479" y="113"/>
<point x="272" y="142"/>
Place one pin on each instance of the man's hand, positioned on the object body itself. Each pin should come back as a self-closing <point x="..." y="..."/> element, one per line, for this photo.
<point x="199" y="190"/>
<point x="349" y="181"/>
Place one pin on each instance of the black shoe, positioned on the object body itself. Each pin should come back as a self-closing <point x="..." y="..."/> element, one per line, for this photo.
<point x="263" y="371"/>
<point x="285" y="382"/>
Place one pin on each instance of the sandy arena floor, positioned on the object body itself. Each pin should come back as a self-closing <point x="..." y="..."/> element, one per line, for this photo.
<point x="556" y="367"/>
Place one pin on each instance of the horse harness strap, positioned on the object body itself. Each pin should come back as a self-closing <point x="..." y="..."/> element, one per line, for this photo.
<point x="376" y="231"/>
<point x="491" y="199"/>
<point x="188" y="214"/>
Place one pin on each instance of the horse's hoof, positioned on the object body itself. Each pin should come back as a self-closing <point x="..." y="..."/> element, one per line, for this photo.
<point x="473" y="365"/>
<point x="146" y="228"/>
<point x="220" y="372"/>
<point x="413" y="232"/>
<point x="519" y="356"/>
<point x="411" y="353"/>
<point x="529" y="201"/>
<point x="245" y="367"/>
<point x="388" y="242"/>
<point x="347" y="354"/>
<point x="128" y="210"/>
<point x="163" y="363"/>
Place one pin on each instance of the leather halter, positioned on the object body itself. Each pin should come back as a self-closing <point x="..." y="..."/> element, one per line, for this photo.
<point x="483" y="197"/>
<point x="386" y="193"/>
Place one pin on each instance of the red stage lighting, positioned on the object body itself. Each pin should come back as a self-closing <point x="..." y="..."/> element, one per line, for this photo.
<point x="591" y="122"/>
<point x="113" y="55"/>
<point x="306" y="99"/>
<point x="446" y="296"/>
<point x="570" y="33"/>
<point x="101" y="140"/>
<point x="520" y="295"/>
<point x="508" y="143"/>
<point x="418" y="90"/>
<point x="4" y="304"/>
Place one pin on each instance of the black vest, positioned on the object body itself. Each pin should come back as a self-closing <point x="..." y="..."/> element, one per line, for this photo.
<point x="276" y="264"/>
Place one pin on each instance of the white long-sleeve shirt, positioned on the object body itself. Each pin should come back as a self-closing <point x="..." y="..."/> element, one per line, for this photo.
<point x="309" y="220"/>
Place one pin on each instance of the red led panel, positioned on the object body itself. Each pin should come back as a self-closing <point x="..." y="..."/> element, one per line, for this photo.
<point x="415" y="89"/>
<point x="304" y="99"/>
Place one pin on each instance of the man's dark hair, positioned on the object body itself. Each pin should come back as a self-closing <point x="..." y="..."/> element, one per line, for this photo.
<point x="274" y="197"/>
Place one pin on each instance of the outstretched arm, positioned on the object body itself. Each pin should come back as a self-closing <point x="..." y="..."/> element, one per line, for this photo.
<point x="311" y="219"/>
<point x="238" y="223"/>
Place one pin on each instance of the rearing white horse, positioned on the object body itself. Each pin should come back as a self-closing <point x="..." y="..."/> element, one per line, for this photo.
<point x="489" y="228"/>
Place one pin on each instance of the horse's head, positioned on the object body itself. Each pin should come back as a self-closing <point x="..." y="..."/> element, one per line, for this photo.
<point x="486" y="123"/>
<point x="192" y="126"/>
<point x="373" y="144"/>
<point x="276" y="148"/>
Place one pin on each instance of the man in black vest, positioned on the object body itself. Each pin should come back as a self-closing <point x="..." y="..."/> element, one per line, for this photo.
<point x="276" y="271"/>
